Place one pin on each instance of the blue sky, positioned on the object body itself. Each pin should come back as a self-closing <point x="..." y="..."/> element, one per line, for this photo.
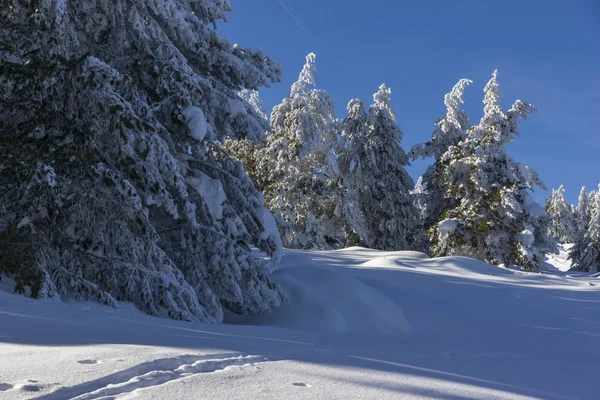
<point x="547" y="53"/>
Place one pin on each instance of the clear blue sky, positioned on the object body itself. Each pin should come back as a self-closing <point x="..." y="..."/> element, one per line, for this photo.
<point x="547" y="53"/>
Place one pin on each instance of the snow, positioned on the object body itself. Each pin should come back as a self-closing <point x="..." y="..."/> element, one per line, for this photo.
<point x="526" y="236"/>
<point x="270" y="230"/>
<point x="359" y="324"/>
<point x="236" y="107"/>
<point x="559" y="261"/>
<point x="211" y="191"/>
<point x="532" y="207"/>
<point x="196" y="122"/>
<point x="448" y="225"/>
<point x="24" y="222"/>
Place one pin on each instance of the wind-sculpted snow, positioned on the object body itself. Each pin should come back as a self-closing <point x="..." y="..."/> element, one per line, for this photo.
<point x="360" y="324"/>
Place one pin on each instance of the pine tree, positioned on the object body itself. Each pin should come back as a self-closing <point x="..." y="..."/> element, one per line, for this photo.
<point x="253" y="99"/>
<point x="494" y="218"/>
<point x="352" y="163"/>
<point x="562" y="225"/>
<point x="113" y="188"/>
<point x="301" y="188"/>
<point x="585" y="254"/>
<point x="419" y="197"/>
<point x="450" y="130"/>
<point x="582" y="212"/>
<point x="378" y="186"/>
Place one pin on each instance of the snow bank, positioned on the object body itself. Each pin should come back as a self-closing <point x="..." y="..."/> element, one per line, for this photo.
<point x="327" y="300"/>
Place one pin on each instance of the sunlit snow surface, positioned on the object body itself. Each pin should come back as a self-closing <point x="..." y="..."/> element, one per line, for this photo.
<point x="360" y="324"/>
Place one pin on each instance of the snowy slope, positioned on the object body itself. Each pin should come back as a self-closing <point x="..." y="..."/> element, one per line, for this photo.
<point x="559" y="261"/>
<point x="360" y="324"/>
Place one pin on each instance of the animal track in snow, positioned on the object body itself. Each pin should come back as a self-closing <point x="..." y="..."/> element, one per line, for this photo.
<point x="301" y="384"/>
<point x="154" y="373"/>
<point x="89" y="361"/>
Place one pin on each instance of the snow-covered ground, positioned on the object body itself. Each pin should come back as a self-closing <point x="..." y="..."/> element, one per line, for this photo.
<point x="360" y="324"/>
<point x="559" y="261"/>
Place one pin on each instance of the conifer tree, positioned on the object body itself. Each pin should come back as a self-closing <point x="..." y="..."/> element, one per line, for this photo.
<point x="301" y="185"/>
<point x="450" y="130"/>
<point x="493" y="217"/>
<point x="585" y="254"/>
<point x="113" y="187"/>
<point x="582" y="212"/>
<point x="562" y="225"/>
<point x="380" y="205"/>
<point x="353" y="161"/>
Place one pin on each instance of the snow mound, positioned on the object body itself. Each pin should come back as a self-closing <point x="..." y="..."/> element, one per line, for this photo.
<point x="321" y="299"/>
<point x="381" y="262"/>
<point x="381" y="253"/>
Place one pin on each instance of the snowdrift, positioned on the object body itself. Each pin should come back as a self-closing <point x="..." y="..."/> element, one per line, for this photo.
<point x="360" y="324"/>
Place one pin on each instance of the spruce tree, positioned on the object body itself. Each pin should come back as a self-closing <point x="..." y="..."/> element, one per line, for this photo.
<point x="585" y="254"/>
<point x="380" y="205"/>
<point x="114" y="185"/>
<point x="494" y="217"/>
<point x="352" y="163"/>
<point x="562" y="222"/>
<point x="301" y="188"/>
<point x="582" y="212"/>
<point x="450" y="130"/>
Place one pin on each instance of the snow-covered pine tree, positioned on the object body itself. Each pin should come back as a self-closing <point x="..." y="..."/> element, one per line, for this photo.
<point x="111" y="188"/>
<point x="585" y="254"/>
<point x="419" y="197"/>
<point x="252" y="97"/>
<point x="562" y="226"/>
<point x="494" y="217"/>
<point x="379" y="202"/>
<point x="354" y="141"/>
<point x="250" y="152"/>
<point x="582" y="212"/>
<point x="301" y="188"/>
<point x="450" y="130"/>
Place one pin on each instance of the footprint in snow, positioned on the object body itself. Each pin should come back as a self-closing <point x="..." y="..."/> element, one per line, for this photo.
<point x="89" y="361"/>
<point x="4" y="387"/>
<point x="301" y="384"/>
<point x="29" y="388"/>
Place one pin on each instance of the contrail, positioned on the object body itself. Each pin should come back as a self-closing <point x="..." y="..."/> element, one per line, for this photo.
<point x="298" y="22"/>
